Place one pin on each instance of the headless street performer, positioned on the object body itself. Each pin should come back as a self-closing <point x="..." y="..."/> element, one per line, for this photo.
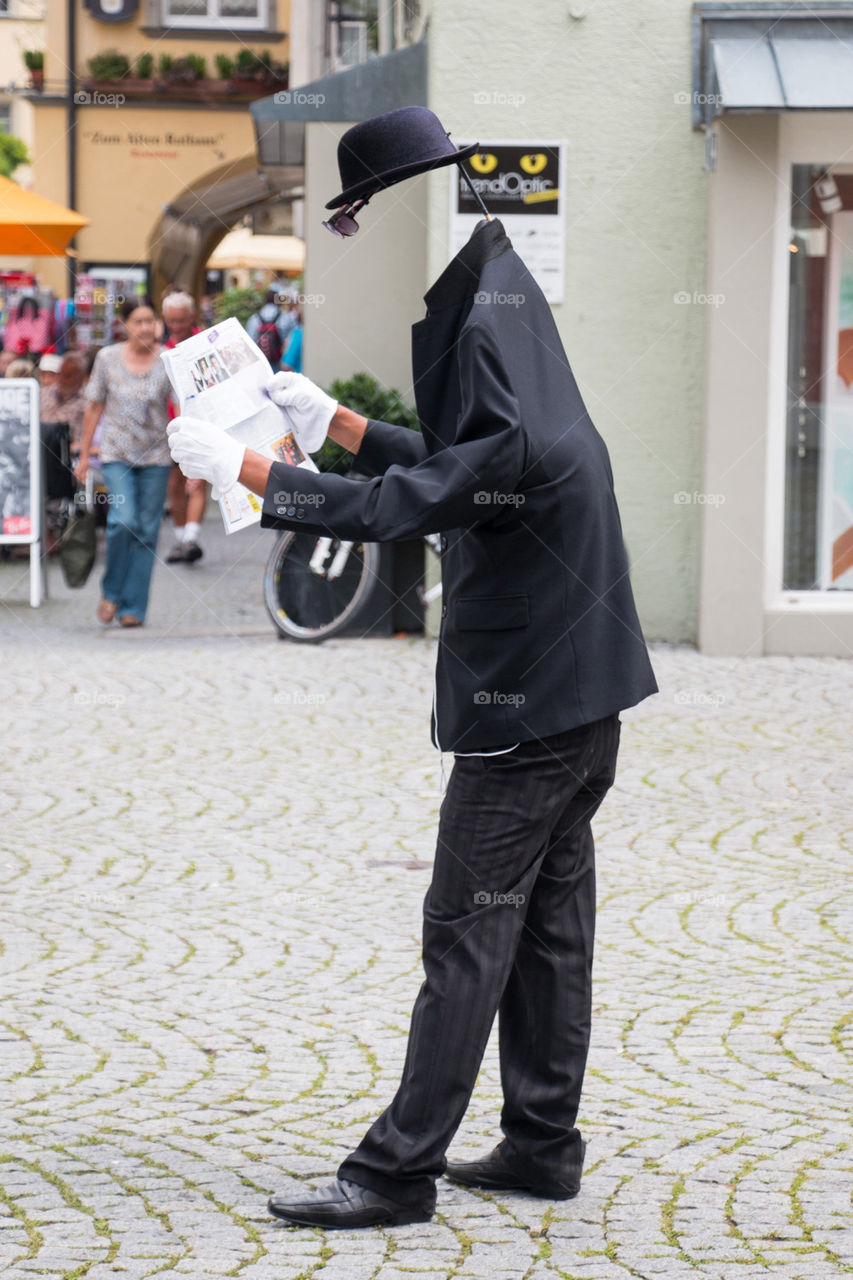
<point x="540" y="649"/>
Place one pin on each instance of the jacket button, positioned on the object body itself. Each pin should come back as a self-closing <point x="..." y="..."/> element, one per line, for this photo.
<point x="444" y="611"/>
<point x="443" y="542"/>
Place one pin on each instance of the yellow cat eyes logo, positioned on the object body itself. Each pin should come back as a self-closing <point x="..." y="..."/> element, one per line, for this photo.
<point x="533" y="163"/>
<point x="483" y="162"/>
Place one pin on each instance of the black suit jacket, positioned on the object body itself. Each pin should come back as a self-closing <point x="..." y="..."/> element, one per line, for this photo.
<point x="539" y="631"/>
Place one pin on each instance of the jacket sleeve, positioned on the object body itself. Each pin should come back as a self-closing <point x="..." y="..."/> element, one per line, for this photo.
<point x="385" y="444"/>
<point x="450" y="489"/>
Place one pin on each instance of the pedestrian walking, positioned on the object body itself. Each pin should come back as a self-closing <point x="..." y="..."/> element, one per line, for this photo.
<point x="128" y="393"/>
<point x="540" y="649"/>
<point x="186" y="499"/>
<point x="270" y="328"/>
<point x="292" y="354"/>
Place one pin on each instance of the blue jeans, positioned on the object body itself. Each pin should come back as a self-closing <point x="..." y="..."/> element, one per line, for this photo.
<point x="134" y="512"/>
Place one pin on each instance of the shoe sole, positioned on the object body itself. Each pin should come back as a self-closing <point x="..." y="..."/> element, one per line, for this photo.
<point x="190" y="557"/>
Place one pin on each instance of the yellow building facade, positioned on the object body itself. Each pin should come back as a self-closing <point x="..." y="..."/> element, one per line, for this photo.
<point x="127" y="151"/>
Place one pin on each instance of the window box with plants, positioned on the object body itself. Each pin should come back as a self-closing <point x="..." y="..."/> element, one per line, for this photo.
<point x="243" y="78"/>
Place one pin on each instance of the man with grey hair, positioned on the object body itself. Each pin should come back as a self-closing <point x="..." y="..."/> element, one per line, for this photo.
<point x="186" y="499"/>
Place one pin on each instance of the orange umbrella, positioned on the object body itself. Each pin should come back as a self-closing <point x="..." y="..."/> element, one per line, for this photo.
<point x="32" y="225"/>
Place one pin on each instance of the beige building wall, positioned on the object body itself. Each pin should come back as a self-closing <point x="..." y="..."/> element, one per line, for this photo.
<point x="131" y="160"/>
<point x="134" y="155"/>
<point x="615" y="85"/>
<point x="22" y="29"/>
<point x="362" y="295"/>
<point x="130" y="39"/>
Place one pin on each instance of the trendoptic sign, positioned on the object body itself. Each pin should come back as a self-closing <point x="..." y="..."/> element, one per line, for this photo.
<point x="522" y="184"/>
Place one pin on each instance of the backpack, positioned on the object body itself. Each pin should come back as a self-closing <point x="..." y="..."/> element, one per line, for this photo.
<point x="269" y="340"/>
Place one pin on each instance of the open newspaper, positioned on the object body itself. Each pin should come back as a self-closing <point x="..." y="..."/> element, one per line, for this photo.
<point x="220" y="375"/>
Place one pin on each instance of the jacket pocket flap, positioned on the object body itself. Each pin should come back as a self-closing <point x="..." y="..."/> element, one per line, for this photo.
<point x="492" y="613"/>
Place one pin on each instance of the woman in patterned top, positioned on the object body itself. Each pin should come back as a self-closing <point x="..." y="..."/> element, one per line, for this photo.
<point x="127" y="393"/>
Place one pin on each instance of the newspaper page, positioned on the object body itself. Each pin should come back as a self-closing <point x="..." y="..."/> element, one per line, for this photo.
<point x="220" y="375"/>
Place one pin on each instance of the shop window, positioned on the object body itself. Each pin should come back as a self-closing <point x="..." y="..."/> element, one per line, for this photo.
<point x="354" y="32"/>
<point x="230" y="15"/>
<point x="819" y="432"/>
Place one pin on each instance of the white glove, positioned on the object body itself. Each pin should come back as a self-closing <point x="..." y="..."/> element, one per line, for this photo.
<point x="206" y="452"/>
<point x="307" y="408"/>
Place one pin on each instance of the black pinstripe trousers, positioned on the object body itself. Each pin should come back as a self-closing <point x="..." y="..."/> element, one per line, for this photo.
<point x="509" y="922"/>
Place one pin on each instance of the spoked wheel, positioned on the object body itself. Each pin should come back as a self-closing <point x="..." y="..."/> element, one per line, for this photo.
<point x="313" y="586"/>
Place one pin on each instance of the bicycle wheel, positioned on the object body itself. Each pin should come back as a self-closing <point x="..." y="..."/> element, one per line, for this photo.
<point x="306" y="605"/>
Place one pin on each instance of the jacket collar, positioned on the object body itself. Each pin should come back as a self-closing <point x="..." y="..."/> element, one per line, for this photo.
<point x="461" y="277"/>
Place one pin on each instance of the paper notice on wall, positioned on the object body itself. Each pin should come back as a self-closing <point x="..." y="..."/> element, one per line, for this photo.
<point x="220" y="375"/>
<point x="522" y="184"/>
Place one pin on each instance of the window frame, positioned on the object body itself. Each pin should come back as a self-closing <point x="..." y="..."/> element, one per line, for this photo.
<point x="214" y="22"/>
<point x="815" y="138"/>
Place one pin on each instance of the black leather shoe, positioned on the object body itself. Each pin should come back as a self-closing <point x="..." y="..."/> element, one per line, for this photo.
<point x="495" y="1173"/>
<point x="345" y="1204"/>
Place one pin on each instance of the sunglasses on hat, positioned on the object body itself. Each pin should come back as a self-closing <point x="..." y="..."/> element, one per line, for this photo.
<point x="343" y="222"/>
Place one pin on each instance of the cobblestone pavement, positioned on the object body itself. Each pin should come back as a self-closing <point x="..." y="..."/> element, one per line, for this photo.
<point x="214" y="849"/>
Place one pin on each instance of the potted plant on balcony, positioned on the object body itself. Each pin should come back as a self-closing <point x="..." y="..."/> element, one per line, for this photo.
<point x="108" y="66"/>
<point x="34" y="62"/>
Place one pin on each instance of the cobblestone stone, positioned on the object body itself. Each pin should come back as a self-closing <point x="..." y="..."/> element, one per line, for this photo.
<point x="214" y="849"/>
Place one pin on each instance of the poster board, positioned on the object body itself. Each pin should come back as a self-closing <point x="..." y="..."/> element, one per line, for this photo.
<point x="20" y="472"/>
<point x="522" y="183"/>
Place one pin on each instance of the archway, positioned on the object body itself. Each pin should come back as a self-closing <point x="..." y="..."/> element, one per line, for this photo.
<point x="192" y="225"/>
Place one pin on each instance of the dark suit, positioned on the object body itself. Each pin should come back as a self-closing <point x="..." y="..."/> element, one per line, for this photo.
<point x="540" y="646"/>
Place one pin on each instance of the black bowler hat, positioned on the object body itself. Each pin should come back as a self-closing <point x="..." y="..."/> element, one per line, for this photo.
<point x="388" y="148"/>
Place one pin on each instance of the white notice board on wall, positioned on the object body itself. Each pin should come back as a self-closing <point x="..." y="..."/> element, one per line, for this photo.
<point x="522" y="184"/>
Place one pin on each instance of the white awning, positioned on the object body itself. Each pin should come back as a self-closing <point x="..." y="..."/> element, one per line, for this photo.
<point x="750" y="57"/>
<point x="242" y="249"/>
